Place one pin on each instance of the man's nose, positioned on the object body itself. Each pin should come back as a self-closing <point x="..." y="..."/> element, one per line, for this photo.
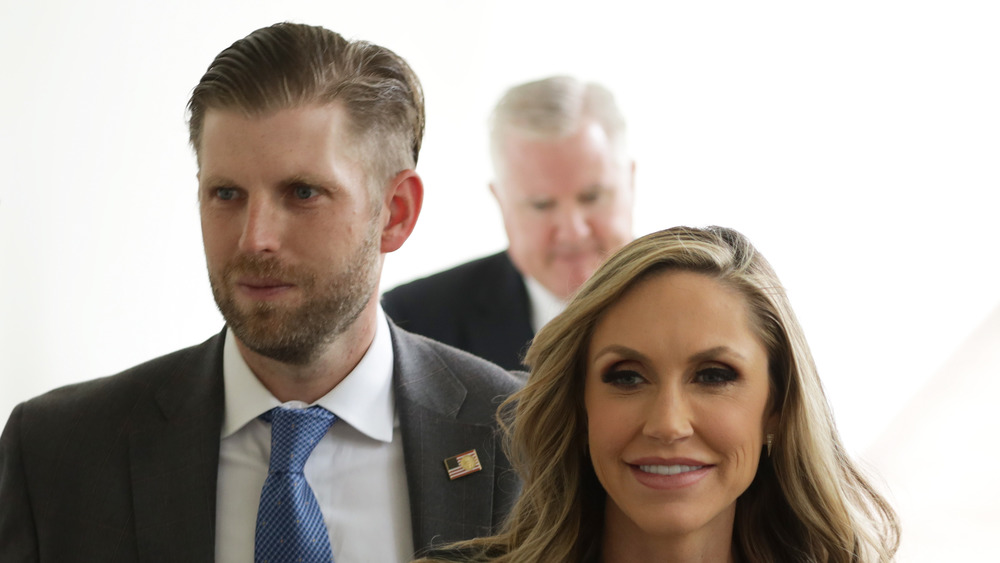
<point x="572" y="224"/>
<point x="262" y="226"/>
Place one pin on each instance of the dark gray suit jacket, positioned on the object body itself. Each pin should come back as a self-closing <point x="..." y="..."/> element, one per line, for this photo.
<point x="481" y="307"/>
<point x="124" y="468"/>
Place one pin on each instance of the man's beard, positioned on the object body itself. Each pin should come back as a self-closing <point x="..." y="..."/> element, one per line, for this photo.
<point x="297" y="335"/>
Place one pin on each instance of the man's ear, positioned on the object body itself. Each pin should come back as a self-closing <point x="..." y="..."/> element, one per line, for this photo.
<point x="402" y="200"/>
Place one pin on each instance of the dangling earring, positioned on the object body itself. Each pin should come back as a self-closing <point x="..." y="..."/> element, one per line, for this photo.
<point x="770" y="441"/>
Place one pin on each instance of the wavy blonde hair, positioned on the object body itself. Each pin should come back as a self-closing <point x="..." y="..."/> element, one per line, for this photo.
<point x="808" y="502"/>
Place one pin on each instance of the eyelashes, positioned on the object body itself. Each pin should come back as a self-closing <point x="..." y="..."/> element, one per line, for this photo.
<point x="623" y="378"/>
<point x="303" y="191"/>
<point x="224" y="193"/>
<point x="712" y="376"/>
<point x="716" y="375"/>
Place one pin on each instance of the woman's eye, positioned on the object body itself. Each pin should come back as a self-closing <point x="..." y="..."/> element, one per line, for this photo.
<point x="716" y="375"/>
<point x="622" y="378"/>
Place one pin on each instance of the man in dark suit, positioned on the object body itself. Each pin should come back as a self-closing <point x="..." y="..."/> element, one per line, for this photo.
<point x="564" y="183"/>
<point x="306" y="145"/>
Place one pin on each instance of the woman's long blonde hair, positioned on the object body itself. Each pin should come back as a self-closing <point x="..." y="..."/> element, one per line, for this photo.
<point x="808" y="502"/>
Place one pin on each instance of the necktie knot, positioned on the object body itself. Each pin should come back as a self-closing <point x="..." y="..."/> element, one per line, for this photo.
<point x="294" y="435"/>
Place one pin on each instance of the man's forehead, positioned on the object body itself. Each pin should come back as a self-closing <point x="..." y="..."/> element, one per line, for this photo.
<point x="335" y="108"/>
<point x="555" y="168"/>
<point x="308" y="143"/>
<point x="322" y="121"/>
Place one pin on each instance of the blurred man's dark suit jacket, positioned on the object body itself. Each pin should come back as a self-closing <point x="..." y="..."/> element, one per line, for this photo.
<point x="481" y="307"/>
<point x="124" y="468"/>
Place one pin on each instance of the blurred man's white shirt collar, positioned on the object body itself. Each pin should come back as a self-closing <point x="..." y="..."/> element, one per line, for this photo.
<point x="544" y="304"/>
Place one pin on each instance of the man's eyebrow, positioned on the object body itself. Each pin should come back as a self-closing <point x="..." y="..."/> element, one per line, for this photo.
<point x="312" y="180"/>
<point x="215" y="180"/>
<point x="307" y="179"/>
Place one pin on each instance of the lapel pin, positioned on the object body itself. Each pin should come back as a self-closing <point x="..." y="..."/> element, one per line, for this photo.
<point x="462" y="464"/>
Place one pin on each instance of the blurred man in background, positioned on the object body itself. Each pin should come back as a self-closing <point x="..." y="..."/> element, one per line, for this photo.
<point x="564" y="182"/>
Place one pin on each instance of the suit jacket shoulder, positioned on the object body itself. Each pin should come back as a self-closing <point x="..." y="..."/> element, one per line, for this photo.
<point x="85" y="466"/>
<point x="447" y="402"/>
<point x="481" y="307"/>
<point x="119" y="468"/>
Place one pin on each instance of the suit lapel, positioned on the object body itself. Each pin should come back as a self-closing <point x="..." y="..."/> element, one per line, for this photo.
<point x="428" y="399"/>
<point x="174" y="454"/>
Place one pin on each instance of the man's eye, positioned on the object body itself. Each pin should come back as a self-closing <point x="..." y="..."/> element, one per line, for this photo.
<point x="542" y="205"/>
<point x="716" y="376"/>
<point x="304" y="192"/>
<point x="590" y="197"/>
<point x="624" y="378"/>
<point x="225" y="193"/>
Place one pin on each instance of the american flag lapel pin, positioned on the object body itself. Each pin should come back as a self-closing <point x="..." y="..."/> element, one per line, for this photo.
<point x="462" y="464"/>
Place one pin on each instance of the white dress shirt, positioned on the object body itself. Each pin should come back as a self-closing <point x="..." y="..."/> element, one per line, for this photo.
<point x="544" y="304"/>
<point x="356" y="470"/>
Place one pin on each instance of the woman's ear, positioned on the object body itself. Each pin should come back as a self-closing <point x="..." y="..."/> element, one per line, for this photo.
<point x="771" y="426"/>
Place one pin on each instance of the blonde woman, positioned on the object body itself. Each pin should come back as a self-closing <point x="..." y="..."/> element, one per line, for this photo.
<point x="674" y="413"/>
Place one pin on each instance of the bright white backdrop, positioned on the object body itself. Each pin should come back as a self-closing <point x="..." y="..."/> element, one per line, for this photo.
<point x="855" y="142"/>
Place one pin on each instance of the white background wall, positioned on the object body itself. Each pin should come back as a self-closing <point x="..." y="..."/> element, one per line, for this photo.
<point x="856" y="142"/>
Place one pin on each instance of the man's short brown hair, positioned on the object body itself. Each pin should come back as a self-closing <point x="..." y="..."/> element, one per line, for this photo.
<point x="291" y="65"/>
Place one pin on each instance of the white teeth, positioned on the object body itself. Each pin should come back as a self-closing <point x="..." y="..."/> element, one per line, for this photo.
<point x="669" y="469"/>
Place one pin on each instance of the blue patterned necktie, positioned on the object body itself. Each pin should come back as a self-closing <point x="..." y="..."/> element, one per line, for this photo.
<point x="290" y="525"/>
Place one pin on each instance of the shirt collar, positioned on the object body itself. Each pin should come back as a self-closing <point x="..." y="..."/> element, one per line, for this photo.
<point x="544" y="304"/>
<point x="363" y="399"/>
